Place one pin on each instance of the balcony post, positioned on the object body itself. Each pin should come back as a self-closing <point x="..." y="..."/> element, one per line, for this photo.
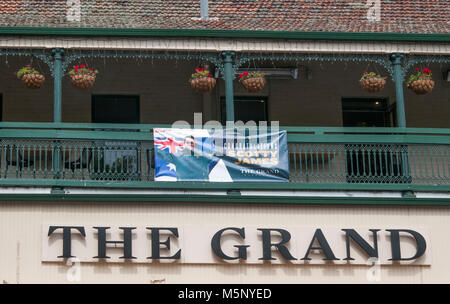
<point x="57" y="83"/>
<point x="57" y="107"/>
<point x="228" y="57"/>
<point x="398" y="75"/>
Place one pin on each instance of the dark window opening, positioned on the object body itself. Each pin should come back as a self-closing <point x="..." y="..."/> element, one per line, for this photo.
<point x="115" y="109"/>
<point x="246" y="108"/>
<point x="115" y="160"/>
<point x="366" y="112"/>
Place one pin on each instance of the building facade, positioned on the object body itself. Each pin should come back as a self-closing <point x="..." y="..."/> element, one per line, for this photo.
<point x="368" y="195"/>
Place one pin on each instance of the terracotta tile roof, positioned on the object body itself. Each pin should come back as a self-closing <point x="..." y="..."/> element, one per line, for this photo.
<point x="397" y="16"/>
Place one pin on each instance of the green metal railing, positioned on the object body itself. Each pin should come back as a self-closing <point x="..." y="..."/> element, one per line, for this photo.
<point x="104" y="155"/>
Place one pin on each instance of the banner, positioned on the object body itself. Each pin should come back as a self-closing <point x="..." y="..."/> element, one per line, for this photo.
<point x="220" y="155"/>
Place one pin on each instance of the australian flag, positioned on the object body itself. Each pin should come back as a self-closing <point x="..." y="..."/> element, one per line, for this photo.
<point x="164" y="143"/>
<point x="168" y="144"/>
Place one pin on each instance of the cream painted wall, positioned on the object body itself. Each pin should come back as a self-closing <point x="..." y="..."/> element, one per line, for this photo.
<point x="21" y="241"/>
<point x="166" y="95"/>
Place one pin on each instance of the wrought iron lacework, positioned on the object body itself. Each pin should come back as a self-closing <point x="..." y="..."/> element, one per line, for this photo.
<point x="45" y="55"/>
<point x="413" y="60"/>
<point x="382" y="60"/>
<point x="72" y="55"/>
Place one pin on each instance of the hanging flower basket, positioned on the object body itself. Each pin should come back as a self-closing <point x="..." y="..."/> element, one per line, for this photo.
<point x="252" y="82"/>
<point x="202" y="81"/>
<point x="372" y="82"/>
<point x="30" y="77"/>
<point x="83" y="77"/>
<point x="421" y="82"/>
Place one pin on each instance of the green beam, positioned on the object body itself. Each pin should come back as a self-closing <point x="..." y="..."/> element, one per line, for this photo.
<point x="297" y="130"/>
<point x="72" y="134"/>
<point x="149" y="32"/>
<point x="206" y="186"/>
<point x="80" y="126"/>
<point x="292" y="138"/>
<point x="209" y="199"/>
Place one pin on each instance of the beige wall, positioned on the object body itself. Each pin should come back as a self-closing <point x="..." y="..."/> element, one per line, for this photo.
<point x="166" y="95"/>
<point x="21" y="241"/>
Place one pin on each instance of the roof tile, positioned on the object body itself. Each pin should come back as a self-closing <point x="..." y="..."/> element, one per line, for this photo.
<point x="399" y="16"/>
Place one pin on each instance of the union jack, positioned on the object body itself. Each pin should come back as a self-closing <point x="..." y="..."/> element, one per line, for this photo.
<point x="165" y="142"/>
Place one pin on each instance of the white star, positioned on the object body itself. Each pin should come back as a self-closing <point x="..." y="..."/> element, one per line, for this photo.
<point x="172" y="167"/>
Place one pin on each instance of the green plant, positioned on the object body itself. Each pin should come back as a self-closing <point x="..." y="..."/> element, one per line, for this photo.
<point x="422" y="74"/>
<point x="247" y="75"/>
<point x="26" y="70"/>
<point x="82" y="69"/>
<point x="367" y="75"/>
<point x="201" y="73"/>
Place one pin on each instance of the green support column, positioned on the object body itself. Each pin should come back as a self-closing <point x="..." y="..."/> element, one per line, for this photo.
<point x="57" y="84"/>
<point x="396" y="60"/>
<point x="57" y="107"/>
<point x="398" y="77"/>
<point x="228" y="57"/>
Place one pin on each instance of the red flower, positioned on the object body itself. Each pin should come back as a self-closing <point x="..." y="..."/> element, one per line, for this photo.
<point x="197" y="70"/>
<point x="245" y="73"/>
<point x="91" y="69"/>
<point x="202" y="70"/>
<point x="428" y="71"/>
<point x="240" y="75"/>
<point x="83" y="66"/>
<point x="417" y="69"/>
<point x="209" y="75"/>
<point x="364" y="71"/>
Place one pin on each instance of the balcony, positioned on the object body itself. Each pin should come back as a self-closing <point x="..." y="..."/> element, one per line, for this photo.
<point x="322" y="158"/>
<point x="66" y="139"/>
